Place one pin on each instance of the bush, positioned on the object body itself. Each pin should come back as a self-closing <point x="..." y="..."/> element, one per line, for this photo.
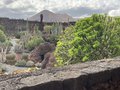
<point x="18" y="49"/>
<point x="25" y="56"/>
<point x="33" y="42"/>
<point x="2" y="36"/>
<point x="52" y="39"/>
<point x="48" y="29"/>
<point x="63" y="45"/>
<point x="10" y="56"/>
<point x="20" y="63"/>
<point x="2" y="69"/>
<point x="9" y="45"/>
<point x="17" y="36"/>
<point x="92" y="38"/>
<point x="2" y="28"/>
<point x="10" y="59"/>
<point x="30" y="64"/>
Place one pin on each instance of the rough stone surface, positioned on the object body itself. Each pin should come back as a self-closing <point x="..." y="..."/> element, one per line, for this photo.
<point x="95" y="75"/>
<point x="39" y="52"/>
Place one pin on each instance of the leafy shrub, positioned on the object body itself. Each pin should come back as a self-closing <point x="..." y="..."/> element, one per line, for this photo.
<point x="17" y="36"/>
<point x="2" y="28"/>
<point x="9" y="45"/>
<point x="10" y="56"/>
<point x="25" y="56"/>
<point x="2" y="69"/>
<point x="63" y="46"/>
<point x="33" y="42"/>
<point x="11" y="62"/>
<point x="10" y="59"/>
<point x="18" y="49"/>
<point x="30" y="64"/>
<point x="52" y="39"/>
<point x="48" y="29"/>
<point x="2" y="36"/>
<point x="20" y="63"/>
<point x="92" y="38"/>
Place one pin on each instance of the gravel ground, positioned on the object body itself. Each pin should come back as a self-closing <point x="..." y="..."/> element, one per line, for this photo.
<point x="10" y="68"/>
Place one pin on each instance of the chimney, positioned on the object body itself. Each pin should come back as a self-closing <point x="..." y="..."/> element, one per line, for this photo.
<point x="41" y="26"/>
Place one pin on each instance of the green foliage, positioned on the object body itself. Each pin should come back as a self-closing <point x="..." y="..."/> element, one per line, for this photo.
<point x="25" y="56"/>
<point x="2" y="69"/>
<point x="2" y="36"/>
<point x="10" y="56"/>
<point x="53" y="39"/>
<point x="2" y="28"/>
<point x="92" y="38"/>
<point x="20" y="63"/>
<point x="17" y="35"/>
<point x="55" y="29"/>
<point x="48" y="29"/>
<point x="63" y="45"/>
<point x="8" y="43"/>
<point x="10" y="59"/>
<point x="52" y="32"/>
<point x="33" y="42"/>
<point x="18" y="49"/>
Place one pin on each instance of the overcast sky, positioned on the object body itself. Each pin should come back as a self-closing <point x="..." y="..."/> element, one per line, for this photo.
<point x="75" y="8"/>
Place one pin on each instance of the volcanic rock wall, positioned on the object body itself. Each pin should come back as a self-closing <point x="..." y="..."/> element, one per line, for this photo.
<point x="95" y="75"/>
<point x="13" y="26"/>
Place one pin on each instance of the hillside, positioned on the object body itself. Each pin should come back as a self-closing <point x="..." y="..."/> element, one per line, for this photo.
<point x="49" y="16"/>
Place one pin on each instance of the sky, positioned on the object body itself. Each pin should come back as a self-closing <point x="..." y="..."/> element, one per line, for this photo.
<point x="22" y="9"/>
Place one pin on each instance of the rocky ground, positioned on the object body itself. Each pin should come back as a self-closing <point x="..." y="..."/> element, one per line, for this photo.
<point x="11" y="68"/>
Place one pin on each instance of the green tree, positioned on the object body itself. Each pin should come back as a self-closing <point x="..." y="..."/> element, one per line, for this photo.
<point x="92" y="38"/>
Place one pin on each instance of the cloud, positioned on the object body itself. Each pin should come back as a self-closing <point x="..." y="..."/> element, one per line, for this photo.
<point x="114" y="12"/>
<point x="76" y="8"/>
<point x="82" y="11"/>
<point x="8" y="1"/>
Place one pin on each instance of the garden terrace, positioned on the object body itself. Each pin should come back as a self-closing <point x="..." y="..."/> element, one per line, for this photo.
<point x="94" y="75"/>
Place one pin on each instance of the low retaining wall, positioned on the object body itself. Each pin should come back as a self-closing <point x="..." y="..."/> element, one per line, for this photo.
<point x="95" y="75"/>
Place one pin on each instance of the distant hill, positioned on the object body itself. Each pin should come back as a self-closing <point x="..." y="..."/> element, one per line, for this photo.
<point x="49" y="16"/>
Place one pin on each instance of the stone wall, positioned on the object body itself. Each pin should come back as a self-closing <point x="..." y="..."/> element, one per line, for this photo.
<point x="95" y="75"/>
<point x="13" y="26"/>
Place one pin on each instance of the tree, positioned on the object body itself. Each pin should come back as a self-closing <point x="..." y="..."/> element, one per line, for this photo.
<point x="92" y="38"/>
<point x="4" y="44"/>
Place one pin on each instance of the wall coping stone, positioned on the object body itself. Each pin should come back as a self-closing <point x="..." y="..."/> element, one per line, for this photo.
<point x="72" y="77"/>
